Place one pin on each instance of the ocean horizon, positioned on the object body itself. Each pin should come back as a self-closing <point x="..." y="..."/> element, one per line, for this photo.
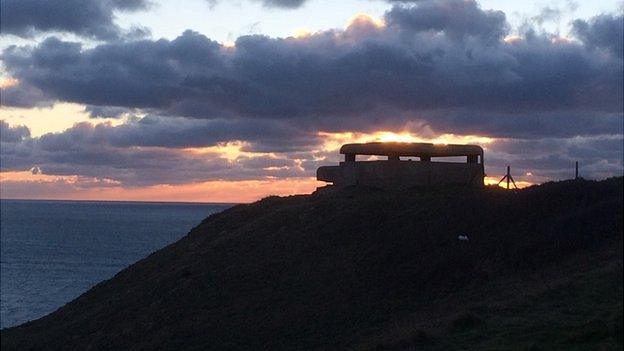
<point x="122" y="201"/>
<point x="52" y="251"/>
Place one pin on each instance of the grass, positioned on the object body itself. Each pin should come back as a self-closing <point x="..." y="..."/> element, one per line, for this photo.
<point x="568" y="313"/>
<point x="363" y="269"/>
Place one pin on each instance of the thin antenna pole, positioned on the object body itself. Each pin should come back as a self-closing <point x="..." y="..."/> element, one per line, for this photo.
<point x="576" y="171"/>
<point x="509" y="178"/>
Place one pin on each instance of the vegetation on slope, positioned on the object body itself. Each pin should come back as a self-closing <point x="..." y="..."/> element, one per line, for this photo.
<point x="364" y="269"/>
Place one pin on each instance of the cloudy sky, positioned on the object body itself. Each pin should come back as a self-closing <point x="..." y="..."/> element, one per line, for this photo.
<point x="233" y="100"/>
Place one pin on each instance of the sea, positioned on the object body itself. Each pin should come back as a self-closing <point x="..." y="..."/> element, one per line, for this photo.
<point x="53" y="251"/>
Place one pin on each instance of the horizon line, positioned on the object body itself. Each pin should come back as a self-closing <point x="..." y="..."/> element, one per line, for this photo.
<point x="126" y="201"/>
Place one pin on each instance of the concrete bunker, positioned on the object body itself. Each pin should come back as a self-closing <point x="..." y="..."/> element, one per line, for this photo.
<point x="397" y="173"/>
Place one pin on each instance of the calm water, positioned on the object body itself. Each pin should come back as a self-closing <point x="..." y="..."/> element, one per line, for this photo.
<point x="53" y="251"/>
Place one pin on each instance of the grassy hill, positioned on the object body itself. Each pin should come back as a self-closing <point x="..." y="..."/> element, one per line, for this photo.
<point x="363" y="269"/>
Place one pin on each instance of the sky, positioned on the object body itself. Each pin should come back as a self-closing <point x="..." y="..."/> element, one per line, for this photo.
<point x="232" y="101"/>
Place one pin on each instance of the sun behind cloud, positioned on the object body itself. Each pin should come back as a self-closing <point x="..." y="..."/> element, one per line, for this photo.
<point x="365" y="19"/>
<point x="333" y="141"/>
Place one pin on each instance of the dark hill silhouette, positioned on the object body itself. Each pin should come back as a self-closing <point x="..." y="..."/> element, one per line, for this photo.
<point x="361" y="269"/>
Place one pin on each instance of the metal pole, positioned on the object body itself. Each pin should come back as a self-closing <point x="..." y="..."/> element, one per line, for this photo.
<point x="508" y="176"/>
<point x="576" y="171"/>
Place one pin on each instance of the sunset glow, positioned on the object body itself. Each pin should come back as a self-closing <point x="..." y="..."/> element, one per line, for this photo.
<point x="51" y="119"/>
<point x="494" y="181"/>
<point x="230" y="150"/>
<point x="301" y="33"/>
<point x="365" y="19"/>
<point x="333" y="141"/>
<point x="84" y="188"/>
<point x="7" y="82"/>
<point x="81" y="188"/>
<point x="510" y="39"/>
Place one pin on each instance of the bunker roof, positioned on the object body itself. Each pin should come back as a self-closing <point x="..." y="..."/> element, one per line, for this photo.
<point x="411" y="149"/>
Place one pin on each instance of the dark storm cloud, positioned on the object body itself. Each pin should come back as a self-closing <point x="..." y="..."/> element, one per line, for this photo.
<point x="132" y="74"/>
<point x="15" y="147"/>
<point x="457" y="19"/>
<point x="529" y="125"/>
<point x="604" y="31"/>
<point x="95" y="111"/>
<point x="183" y="133"/>
<point x="11" y="134"/>
<point x="352" y="78"/>
<point x="91" y="18"/>
<point x="24" y="95"/>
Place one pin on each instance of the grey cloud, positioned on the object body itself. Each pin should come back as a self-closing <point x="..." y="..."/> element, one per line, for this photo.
<point x="95" y="111"/>
<point x="529" y="125"/>
<point x="282" y="3"/>
<point x="344" y="78"/>
<point x="604" y="31"/>
<point x="15" y="147"/>
<point x="24" y="95"/>
<point x="11" y="134"/>
<point x="91" y="18"/>
<point x="261" y="136"/>
<point x="546" y="15"/>
<point x="609" y="146"/>
<point x="130" y="74"/>
<point x="95" y="151"/>
<point x="457" y="19"/>
<point x="554" y="158"/>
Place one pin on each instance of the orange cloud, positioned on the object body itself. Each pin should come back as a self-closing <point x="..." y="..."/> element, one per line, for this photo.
<point x="301" y="33"/>
<point x="363" y="19"/>
<point x="7" y="82"/>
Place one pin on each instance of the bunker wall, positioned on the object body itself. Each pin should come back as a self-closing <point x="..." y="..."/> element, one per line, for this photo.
<point x="402" y="174"/>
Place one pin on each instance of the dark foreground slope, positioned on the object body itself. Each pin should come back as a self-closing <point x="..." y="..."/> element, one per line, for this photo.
<point x="362" y="269"/>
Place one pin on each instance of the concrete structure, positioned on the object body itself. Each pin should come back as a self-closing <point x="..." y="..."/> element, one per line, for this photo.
<point x="397" y="173"/>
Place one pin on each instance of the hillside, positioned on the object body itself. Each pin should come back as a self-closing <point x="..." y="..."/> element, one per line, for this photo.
<point x="363" y="269"/>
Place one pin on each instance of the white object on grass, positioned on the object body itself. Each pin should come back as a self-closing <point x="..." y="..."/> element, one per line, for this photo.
<point x="463" y="237"/>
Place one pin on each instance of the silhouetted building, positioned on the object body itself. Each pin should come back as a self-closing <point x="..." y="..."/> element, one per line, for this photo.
<point x="465" y="166"/>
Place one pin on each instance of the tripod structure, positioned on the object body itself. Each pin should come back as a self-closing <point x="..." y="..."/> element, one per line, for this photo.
<point x="509" y="178"/>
